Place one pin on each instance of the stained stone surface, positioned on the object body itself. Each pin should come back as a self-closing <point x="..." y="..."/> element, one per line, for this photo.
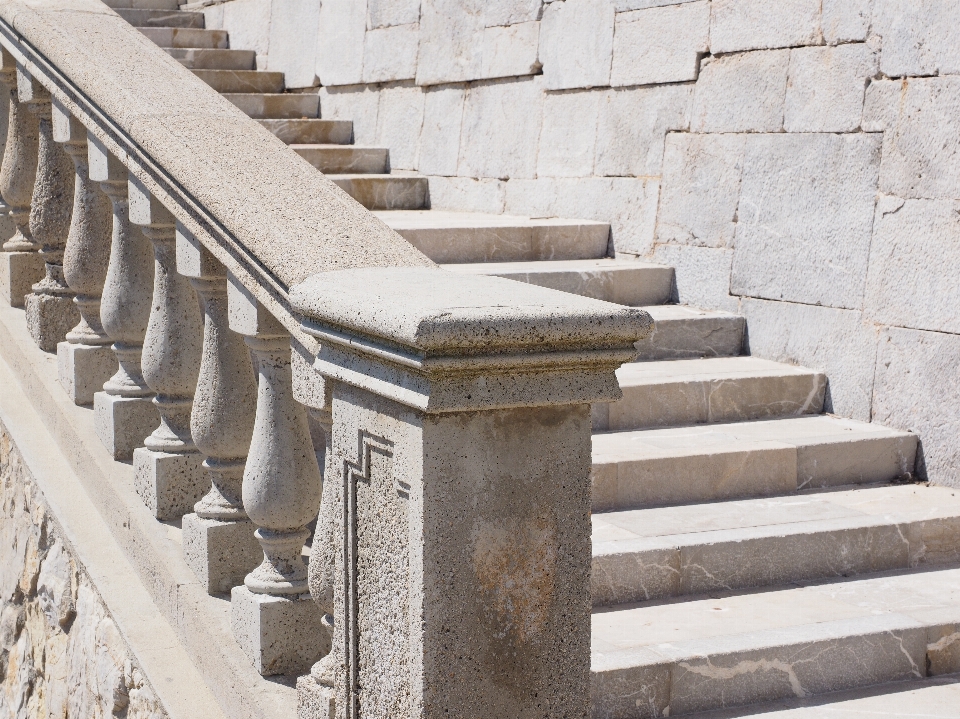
<point x="50" y="318"/>
<point x="169" y="484"/>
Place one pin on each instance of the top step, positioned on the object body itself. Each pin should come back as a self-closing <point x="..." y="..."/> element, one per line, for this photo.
<point x="140" y="17"/>
<point x="144" y="4"/>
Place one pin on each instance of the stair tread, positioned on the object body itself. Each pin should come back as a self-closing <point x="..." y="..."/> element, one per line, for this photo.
<point x="336" y="148"/>
<point x="707" y="368"/>
<point x="441" y="219"/>
<point x="378" y="176"/>
<point x="607" y="264"/>
<point x="666" y="313"/>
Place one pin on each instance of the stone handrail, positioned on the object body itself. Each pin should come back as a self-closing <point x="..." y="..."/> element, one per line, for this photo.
<point x="449" y="570"/>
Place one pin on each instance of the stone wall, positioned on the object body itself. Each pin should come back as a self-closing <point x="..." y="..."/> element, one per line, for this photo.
<point x="797" y="161"/>
<point x="61" y="655"/>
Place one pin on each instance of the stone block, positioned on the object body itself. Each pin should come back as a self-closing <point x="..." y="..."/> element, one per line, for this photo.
<point x="122" y="423"/>
<point x="19" y="271"/>
<point x="294" y="38"/>
<point x="683" y="332"/>
<point x="915" y="245"/>
<point x="702" y="275"/>
<point x="83" y="370"/>
<point x="662" y="44"/>
<point x="845" y="20"/>
<point x="568" y="135"/>
<point x="399" y="120"/>
<point x="451" y="40"/>
<point x="440" y="136"/>
<point x="390" y="53"/>
<point x="49" y="318"/>
<point x="741" y="93"/>
<point x="920" y="154"/>
<point x="700" y="189"/>
<point x="625" y="5"/>
<point x="510" y="51"/>
<point x="221" y="554"/>
<point x="842" y="346"/>
<point x="881" y="105"/>
<point x="920" y="37"/>
<point x="169" y="484"/>
<point x="248" y="22"/>
<point x="510" y="12"/>
<point x="388" y="13"/>
<point x="501" y="126"/>
<point x="340" y="42"/>
<point x="632" y="126"/>
<point x="825" y="87"/>
<point x="576" y="44"/>
<point x="805" y="218"/>
<point x="629" y="204"/>
<point x="468" y="194"/>
<point x="356" y="103"/>
<point x="754" y="25"/>
<point x="281" y="635"/>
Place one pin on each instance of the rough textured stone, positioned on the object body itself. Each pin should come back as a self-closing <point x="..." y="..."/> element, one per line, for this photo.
<point x="83" y="370"/>
<point x="632" y="125"/>
<point x="356" y="103"/>
<point x="576" y="43"/>
<point x="468" y="194"/>
<point x="399" y="120"/>
<point x="386" y="13"/>
<point x="50" y="318"/>
<point x="700" y="189"/>
<point x="294" y="35"/>
<point x="247" y="21"/>
<point x="340" y="42"/>
<point x="660" y="44"/>
<point x="390" y="53"/>
<point x="825" y="87"/>
<point x="510" y="12"/>
<point x="881" y="105"/>
<point x="501" y="125"/>
<point x="741" y="93"/>
<point x="440" y="137"/>
<point x="846" y="20"/>
<point x="920" y="37"/>
<point x="451" y="41"/>
<point x="169" y="484"/>
<point x="18" y="272"/>
<point x="805" y="218"/>
<point x="567" y="149"/>
<point x="221" y="554"/>
<point x="122" y="423"/>
<point x="751" y="25"/>
<point x="702" y="275"/>
<point x="921" y="156"/>
<point x="510" y="50"/>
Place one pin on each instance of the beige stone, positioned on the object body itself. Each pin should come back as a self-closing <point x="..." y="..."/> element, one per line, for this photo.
<point x="294" y="27"/>
<point x="511" y="50"/>
<point x="701" y="275"/>
<point x="919" y="36"/>
<point x="387" y="13"/>
<point x="390" y="53"/>
<point x="749" y="25"/>
<point x="881" y="105"/>
<point x="682" y="332"/>
<point x="440" y="136"/>
<point x="576" y="43"/>
<point x="660" y="45"/>
<point x="565" y="150"/>
<point x="399" y="120"/>
<point x="741" y="93"/>
<point x="340" y="42"/>
<point x="846" y="20"/>
<point x="825" y="87"/>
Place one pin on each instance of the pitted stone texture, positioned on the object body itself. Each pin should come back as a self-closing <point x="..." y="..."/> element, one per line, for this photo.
<point x="247" y="21"/>
<point x="83" y="369"/>
<point x="576" y="43"/>
<point x="881" y="105"/>
<point x="50" y="318"/>
<point x="468" y="194"/>
<point x="221" y="554"/>
<point x="661" y="44"/>
<point x="122" y="423"/>
<point x="450" y="41"/>
<point x="567" y="150"/>
<point x="681" y="332"/>
<point x="169" y="484"/>
<point x="701" y="275"/>
<point x="825" y="87"/>
<point x="313" y="700"/>
<point x="440" y="136"/>
<point x="387" y="13"/>
<point x="920" y="37"/>
<point x="846" y="20"/>
<point x="294" y="27"/>
<point x="340" y="42"/>
<point x="18" y="273"/>
<point x="510" y="51"/>
<point x="741" y="93"/>
<point x="399" y="121"/>
<point x="390" y="53"/>
<point x="357" y="104"/>
<point x="806" y="217"/>
<point x="752" y="25"/>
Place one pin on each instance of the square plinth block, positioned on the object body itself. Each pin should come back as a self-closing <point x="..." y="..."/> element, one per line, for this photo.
<point x="313" y="700"/>
<point x="169" y="484"/>
<point x="221" y="554"/>
<point x="83" y="369"/>
<point x="49" y="318"/>
<point x="281" y="635"/>
<point x="123" y="423"/>
<point x="18" y="273"/>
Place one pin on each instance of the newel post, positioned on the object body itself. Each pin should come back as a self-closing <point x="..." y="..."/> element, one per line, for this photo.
<point x="460" y="471"/>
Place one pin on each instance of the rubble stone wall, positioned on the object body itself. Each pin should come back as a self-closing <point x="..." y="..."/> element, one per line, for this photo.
<point x="796" y="161"/>
<point x="61" y="655"/>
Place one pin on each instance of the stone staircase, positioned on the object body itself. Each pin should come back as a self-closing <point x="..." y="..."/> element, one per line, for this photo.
<point x="747" y="547"/>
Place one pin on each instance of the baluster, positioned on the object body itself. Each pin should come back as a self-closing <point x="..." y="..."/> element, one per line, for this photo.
<point x="274" y="620"/>
<point x="84" y="360"/>
<point x="20" y="264"/>
<point x="123" y="411"/>
<point x="169" y="473"/>
<point x="218" y="540"/>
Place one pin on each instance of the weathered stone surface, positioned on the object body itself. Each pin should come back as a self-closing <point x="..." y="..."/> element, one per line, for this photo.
<point x="881" y="105"/>
<point x="825" y="87"/>
<point x="294" y="36"/>
<point x="83" y="370"/>
<point x="122" y="423"/>
<point x="390" y="53"/>
<point x="836" y="342"/>
<point x="702" y="275"/>
<point x="357" y="103"/>
<point x="18" y="272"/>
<point x="221" y="554"/>
<point x="440" y="136"/>
<point x="660" y="45"/>
<point x="468" y="194"/>
<point x="700" y="189"/>
<point x="576" y="43"/>
<point x="625" y="5"/>
<point x="510" y="12"/>
<point x="921" y="156"/>
<point x="741" y="93"/>
<point x="750" y="24"/>
<point x="451" y="33"/>
<point x="501" y="125"/>
<point x="567" y="148"/>
<point x="399" y="120"/>
<point x="914" y="243"/>
<point x="632" y="125"/>
<point x="805" y="218"/>
<point x="50" y="318"/>
<point x="169" y="484"/>
<point x="845" y="20"/>
<point x="247" y="21"/>
<point x="386" y="13"/>
<point x="920" y="37"/>
<point x="340" y="42"/>
<point x="510" y="50"/>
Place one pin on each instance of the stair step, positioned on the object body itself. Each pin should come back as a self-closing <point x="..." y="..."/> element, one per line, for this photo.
<point x="237" y="81"/>
<point x="143" y="4"/>
<point x="684" y="657"/>
<point x="703" y="463"/>
<point x="281" y="106"/>
<point x="720" y="389"/>
<point x="623" y="282"/>
<point x="682" y="332"/>
<point x="461" y="237"/>
<point x="187" y="37"/>
<point x="311" y="131"/>
<point x="646" y="554"/>
<point x="398" y="191"/>
<point x="142" y="17"/>
<point x="345" y="159"/>
<point x="204" y="59"/>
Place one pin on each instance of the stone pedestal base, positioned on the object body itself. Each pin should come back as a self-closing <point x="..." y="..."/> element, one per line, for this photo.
<point x="123" y="423"/>
<point x="49" y="318"/>
<point x="221" y="554"/>
<point x="19" y="271"/>
<point x="83" y="369"/>
<point x="313" y="700"/>
<point x="169" y="484"/>
<point x="281" y="635"/>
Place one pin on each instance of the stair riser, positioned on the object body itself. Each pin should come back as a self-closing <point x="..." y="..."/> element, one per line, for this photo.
<point x="311" y="132"/>
<point x="386" y="193"/>
<point x="214" y="59"/>
<point x="692" y="338"/>
<point x="277" y="107"/>
<point x="509" y="244"/>
<point x="161" y="18"/>
<point x="176" y="37"/>
<point x="631" y="287"/>
<point x="241" y="80"/>
<point x="144" y="4"/>
<point x="347" y="160"/>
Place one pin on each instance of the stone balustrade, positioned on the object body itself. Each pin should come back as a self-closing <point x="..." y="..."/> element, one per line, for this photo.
<point x="449" y="569"/>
